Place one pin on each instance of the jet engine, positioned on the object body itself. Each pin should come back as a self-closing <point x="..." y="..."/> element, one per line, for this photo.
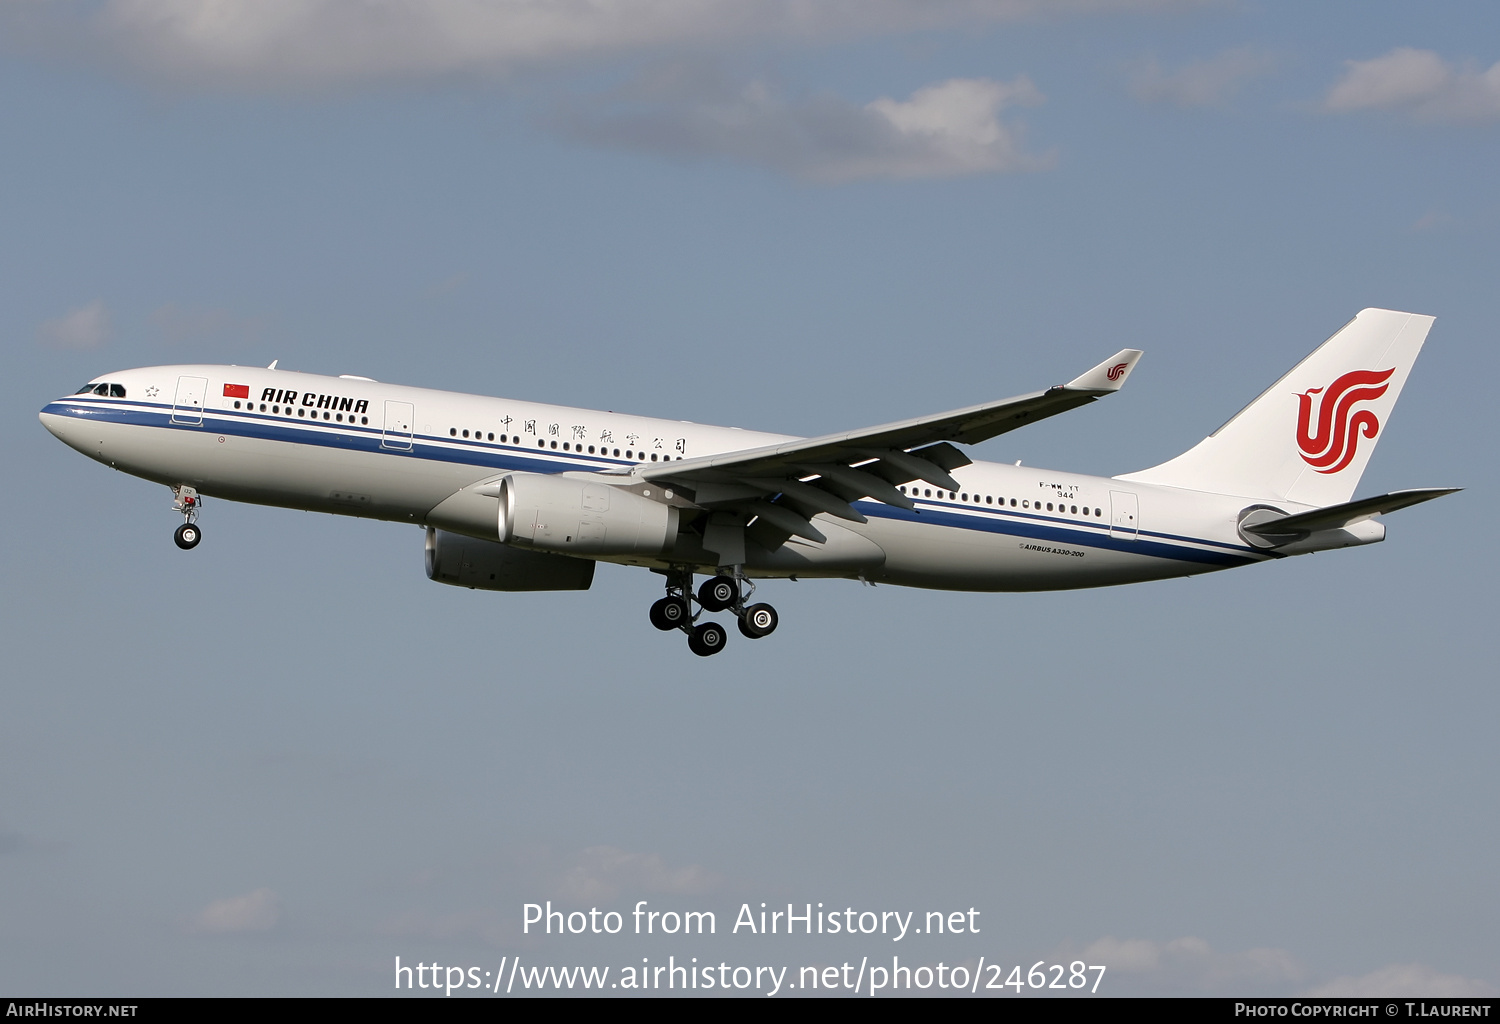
<point x="463" y="561"/>
<point x="570" y="516"/>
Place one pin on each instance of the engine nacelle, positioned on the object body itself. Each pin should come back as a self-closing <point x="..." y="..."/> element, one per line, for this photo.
<point x="463" y="561"/>
<point x="580" y="517"/>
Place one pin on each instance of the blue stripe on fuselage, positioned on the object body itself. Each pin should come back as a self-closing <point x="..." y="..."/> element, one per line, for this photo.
<point x="1026" y="526"/>
<point x="491" y="455"/>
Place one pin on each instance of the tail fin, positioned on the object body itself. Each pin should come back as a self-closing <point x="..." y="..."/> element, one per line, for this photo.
<point x="1308" y="437"/>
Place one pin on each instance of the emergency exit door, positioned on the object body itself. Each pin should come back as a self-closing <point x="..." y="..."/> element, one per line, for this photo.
<point x="398" y="426"/>
<point x="1124" y="515"/>
<point x="187" y="407"/>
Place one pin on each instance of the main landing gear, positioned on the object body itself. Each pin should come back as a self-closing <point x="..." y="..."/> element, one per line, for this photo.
<point x="187" y="502"/>
<point x="721" y="593"/>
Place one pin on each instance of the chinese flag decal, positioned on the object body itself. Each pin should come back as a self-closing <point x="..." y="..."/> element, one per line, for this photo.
<point x="236" y="390"/>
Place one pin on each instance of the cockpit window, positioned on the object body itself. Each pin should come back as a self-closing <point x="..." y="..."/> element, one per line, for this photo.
<point x="107" y="390"/>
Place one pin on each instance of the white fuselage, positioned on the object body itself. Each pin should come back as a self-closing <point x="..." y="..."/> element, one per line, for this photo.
<point x="353" y="446"/>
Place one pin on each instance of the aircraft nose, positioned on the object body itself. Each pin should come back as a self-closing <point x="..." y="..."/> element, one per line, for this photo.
<point x="51" y="421"/>
<point x="61" y="427"/>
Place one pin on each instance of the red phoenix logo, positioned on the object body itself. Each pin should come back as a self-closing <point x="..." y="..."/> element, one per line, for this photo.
<point x="1116" y="371"/>
<point x="1330" y="446"/>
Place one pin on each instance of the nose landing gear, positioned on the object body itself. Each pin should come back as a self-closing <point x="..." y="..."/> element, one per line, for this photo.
<point x="725" y="592"/>
<point x="187" y="502"/>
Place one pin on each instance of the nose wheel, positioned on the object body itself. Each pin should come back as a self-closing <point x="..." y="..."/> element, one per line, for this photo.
<point x="723" y="592"/>
<point x="187" y="501"/>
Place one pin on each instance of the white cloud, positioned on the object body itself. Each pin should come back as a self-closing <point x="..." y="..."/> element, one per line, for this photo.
<point x="448" y="285"/>
<point x="85" y="327"/>
<point x="179" y="325"/>
<point x="1434" y="220"/>
<point x="1201" y="83"/>
<point x="600" y="873"/>
<point x="1397" y="980"/>
<point x="1191" y="965"/>
<point x="1418" y="83"/>
<point x="256" y="911"/>
<point x="942" y="130"/>
<point x="464" y="925"/>
<point x="290" y="43"/>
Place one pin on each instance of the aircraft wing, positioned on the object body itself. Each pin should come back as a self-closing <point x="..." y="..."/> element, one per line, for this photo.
<point x="781" y="487"/>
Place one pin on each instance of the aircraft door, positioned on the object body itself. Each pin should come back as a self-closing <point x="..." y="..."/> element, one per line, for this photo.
<point x="187" y="407"/>
<point x="398" y="426"/>
<point x="1124" y="515"/>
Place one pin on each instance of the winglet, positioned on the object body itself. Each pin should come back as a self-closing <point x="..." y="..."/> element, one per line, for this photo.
<point x="1109" y="375"/>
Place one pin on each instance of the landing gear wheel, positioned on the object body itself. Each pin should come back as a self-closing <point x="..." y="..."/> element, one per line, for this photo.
<point x="759" y="620"/>
<point x="718" y="593"/>
<point x="707" y="638"/>
<point x="187" y="536"/>
<point x="669" y="613"/>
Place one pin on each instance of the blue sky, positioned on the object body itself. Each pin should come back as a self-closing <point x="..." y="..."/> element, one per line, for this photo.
<point x="273" y="765"/>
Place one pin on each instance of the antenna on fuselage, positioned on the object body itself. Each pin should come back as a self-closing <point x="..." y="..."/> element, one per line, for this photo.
<point x="273" y="364"/>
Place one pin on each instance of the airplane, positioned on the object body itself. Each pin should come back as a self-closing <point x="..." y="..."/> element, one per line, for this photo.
<point x="517" y="496"/>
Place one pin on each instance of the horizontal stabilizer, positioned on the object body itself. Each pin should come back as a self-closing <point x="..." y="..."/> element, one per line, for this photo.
<point x="1336" y="517"/>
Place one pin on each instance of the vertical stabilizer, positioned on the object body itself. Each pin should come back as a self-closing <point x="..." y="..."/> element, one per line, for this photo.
<point x="1308" y="437"/>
